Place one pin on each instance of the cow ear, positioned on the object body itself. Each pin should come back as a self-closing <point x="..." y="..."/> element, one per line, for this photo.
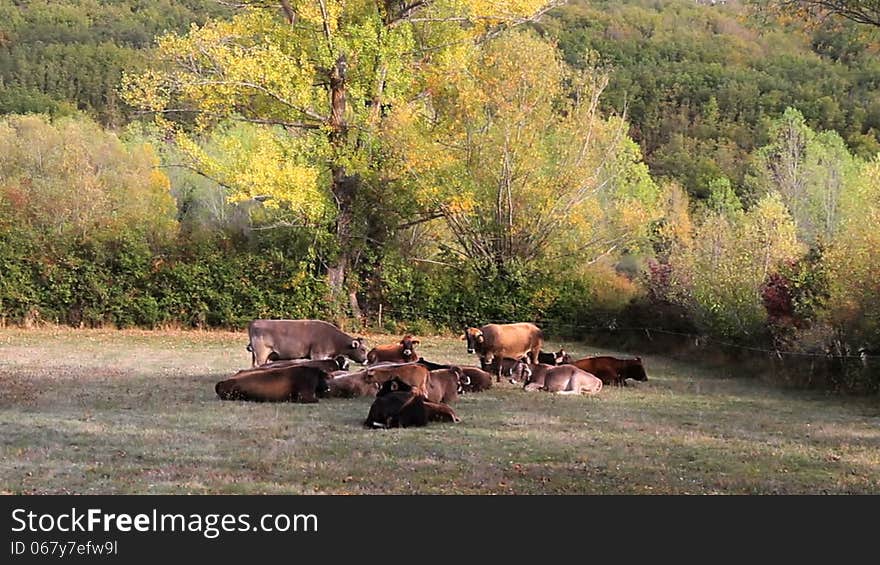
<point x="464" y="337"/>
<point x="355" y="344"/>
<point x="480" y="338"/>
<point x="415" y="342"/>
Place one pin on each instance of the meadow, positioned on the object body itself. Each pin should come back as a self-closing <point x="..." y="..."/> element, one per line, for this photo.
<point x="106" y="411"/>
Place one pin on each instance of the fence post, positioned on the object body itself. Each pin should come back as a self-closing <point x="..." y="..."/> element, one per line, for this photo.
<point x="380" y="316"/>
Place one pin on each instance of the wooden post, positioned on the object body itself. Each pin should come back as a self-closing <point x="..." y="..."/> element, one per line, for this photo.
<point x="380" y="316"/>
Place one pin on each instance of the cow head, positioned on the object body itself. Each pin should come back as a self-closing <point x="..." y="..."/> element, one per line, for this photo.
<point x="393" y="385"/>
<point x="563" y="358"/>
<point x="520" y="372"/>
<point x="357" y="350"/>
<point x="409" y="347"/>
<point x="635" y="370"/>
<point x="463" y="379"/>
<point x="474" y="338"/>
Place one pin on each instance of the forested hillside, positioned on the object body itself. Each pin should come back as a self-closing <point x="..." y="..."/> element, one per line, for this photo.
<point x="706" y="169"/>
<point x="58" y="56"/>
<point x="700" y="82"/>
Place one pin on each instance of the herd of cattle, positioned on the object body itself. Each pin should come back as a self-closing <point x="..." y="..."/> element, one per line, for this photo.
<point x="302" y="360"/>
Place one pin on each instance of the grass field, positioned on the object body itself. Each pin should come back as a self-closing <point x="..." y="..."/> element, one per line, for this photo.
<point x="94" y="411"/>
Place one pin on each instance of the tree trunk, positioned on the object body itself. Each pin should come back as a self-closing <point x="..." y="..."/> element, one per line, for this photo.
<point x="343" y="189"/>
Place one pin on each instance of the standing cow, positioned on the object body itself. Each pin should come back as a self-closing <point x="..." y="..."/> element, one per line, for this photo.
<point x="504" y="340"/>
<point x="301" y="339"/>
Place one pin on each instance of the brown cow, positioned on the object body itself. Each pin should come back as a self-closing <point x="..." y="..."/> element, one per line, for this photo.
<point x="285" y="384"/>
<point x="413" y="374"/>
<point x="612" y="370"/>
<point x="445" y="384"/>
<point x="301" y="339"/>
<point x="477" y="380"/>
<point x="504" y="340"/>
<point x="397" y="405"/>
<point x="351" y="385"/>
<point x="403" y="351"/>
<point x="472" y="379"/>
<point x="564" y="379"/>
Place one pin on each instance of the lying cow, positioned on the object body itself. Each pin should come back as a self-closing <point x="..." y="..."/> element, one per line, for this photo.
<point x="612" y="370"/>
<point x="477" y="380"/>
<point x="432" y="366"/>
<point x="284" y="384"/>
<point x="301" y="339"/>
<point x="563" y="379"/>
<point x="445" y="384"/>
<point x="401" y="352"/>
<point x="413" y="374"/>
<point x="497" y="341"/>
<point x="351" y="385"/>
<point x="397" y="405"/>
<point x="340" y="363"/>
<point x="558" y="358"/>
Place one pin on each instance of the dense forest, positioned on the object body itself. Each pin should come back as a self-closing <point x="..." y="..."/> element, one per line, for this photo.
<point x="700" y="167"/>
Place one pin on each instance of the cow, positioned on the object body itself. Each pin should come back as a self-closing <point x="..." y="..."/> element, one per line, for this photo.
<point x="445" y="384"/>
<point x="478" y="380"/>
<point x="563" y="379"/>
<point x="401" y="352"/>
<point x="351" y="385"/>
<point x="612" y="370"/>
<point x="508" y="366"/>
<point x="413" y="374"/>
<point x="558" y="358"/>
<point x="284" y="384"/>
<point x="339" y="363"/>
<point x="397" y="405"/>
<point x="432" y="366"/>
<point x="504" y="340"/>
<point x="301" y="339"/>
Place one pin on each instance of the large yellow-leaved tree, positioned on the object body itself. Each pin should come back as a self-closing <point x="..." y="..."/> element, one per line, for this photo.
<point x="315" y="79"/>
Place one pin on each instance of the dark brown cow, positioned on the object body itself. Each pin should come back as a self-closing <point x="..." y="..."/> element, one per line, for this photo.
<point x="613" y="370"/>
<point x="397" y="405"/>
<point x="351" y="385"/>
<point x="478" y="380"/>
<point x="445" y="384"/>
<point x="301" y="339"/>
<point x="413" y="374"/>
<point x="504" y="340"/>
<point x="285" y="384"/>
<point x="508" y="366"/>
<point x="563" y="379"/>
<point x="558" y="358"/>
<point x="404" y="351"/>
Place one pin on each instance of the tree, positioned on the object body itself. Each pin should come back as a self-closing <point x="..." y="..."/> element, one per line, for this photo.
<point x="720" y="273"/>
<point x="318" y="83"/>
<point x="859" y="11"/>
<point x="852" y="262"/>
<point x="514" y="153"/>
<point x="811" y="171"/>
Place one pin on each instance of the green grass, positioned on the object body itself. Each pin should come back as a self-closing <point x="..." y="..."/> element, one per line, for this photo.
<point x="94" y="411"/>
